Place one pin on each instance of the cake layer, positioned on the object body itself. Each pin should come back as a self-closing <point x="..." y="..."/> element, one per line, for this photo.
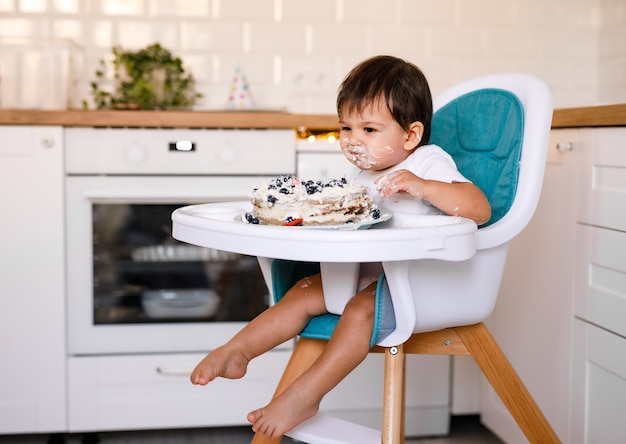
<point x="286" y="199"/>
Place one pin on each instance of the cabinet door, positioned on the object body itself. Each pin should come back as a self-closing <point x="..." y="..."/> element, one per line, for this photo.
<point x="533" y="315"/>
<point x="32" y="348"/>
<point x="599" y="386"/>
<point x="602" y="178"/>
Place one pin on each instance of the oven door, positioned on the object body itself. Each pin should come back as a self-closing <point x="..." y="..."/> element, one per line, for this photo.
<point x="132" y="288"/>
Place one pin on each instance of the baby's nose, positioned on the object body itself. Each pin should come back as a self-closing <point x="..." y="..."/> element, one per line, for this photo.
<point x="354" y="142"/>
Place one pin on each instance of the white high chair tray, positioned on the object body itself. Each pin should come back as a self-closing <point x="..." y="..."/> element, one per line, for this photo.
<point x="217" y="225"/>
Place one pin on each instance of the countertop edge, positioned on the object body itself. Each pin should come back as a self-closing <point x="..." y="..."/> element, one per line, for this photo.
<point x="168" y="119"/>
<point x="591" y="116"/>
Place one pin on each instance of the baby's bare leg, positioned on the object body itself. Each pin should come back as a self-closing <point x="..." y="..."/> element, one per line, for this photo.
<point x="348" y="346"/>
<point x="274" y="326"/>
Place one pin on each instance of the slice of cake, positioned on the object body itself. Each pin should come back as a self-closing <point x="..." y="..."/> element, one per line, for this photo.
<point x="286" y="200"/>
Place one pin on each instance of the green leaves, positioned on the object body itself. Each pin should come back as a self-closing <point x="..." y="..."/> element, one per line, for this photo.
<point x="151" y="78"/>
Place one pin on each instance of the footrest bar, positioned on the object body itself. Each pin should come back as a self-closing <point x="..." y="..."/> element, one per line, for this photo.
<point x="326" y="429"/>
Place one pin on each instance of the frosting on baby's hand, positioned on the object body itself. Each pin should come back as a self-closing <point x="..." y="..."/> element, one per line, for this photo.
<point x="386" y="186"/>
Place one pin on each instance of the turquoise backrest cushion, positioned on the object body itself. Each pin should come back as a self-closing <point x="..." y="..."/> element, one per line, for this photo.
<point x="482" y="131"/>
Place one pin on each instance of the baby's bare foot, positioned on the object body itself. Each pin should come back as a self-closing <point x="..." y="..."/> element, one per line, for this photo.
<point x="222" y="361"/>
<point x="284" y="413"/>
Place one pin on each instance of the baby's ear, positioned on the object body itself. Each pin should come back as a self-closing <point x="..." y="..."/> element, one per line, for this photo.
<point x="414" y="136"/>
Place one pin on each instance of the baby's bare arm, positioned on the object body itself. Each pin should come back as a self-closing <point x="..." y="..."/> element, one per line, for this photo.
<point x="457" y="199"/>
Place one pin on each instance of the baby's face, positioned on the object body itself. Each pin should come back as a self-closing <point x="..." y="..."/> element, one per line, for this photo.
<point x="372" y="140"/>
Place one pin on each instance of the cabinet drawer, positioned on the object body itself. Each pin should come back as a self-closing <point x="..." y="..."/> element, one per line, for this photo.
<point x="602" y="178"/>
<point x="154" y="392"/>
<point x="599" y="386"/>
<point x="600" y="277"/>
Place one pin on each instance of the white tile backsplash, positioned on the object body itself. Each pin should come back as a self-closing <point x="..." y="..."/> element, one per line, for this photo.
<point x="487" y="13"/>
<point x="179" y="8"/>
<point x="273" y="38"/>
<point x="123" y="7"/>
<point x="295" y="52"/>
<point x="248" y="10"/>
<point x="421" y="13"/>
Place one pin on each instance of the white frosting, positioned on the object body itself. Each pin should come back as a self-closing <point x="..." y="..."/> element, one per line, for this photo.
<point x="362" y="156"/>
<point x="336" y="201"/>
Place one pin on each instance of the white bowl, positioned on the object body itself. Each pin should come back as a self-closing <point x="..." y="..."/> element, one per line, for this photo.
<point x="184" y="303"/>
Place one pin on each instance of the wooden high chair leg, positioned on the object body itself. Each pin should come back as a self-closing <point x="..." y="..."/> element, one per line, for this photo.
<point x="393" y="395"/>
<point x="507" y="384"/>
<point x="304" y="355"/>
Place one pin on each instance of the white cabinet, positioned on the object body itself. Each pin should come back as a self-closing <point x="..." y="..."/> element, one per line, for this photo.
<point x="32" y="313"/>
<point x="599" y="385"/>
<point x="561" y="313"/>
<point x="153" y="391"/>
<point x="532" y="321"/>
<point x="599" y="345"/>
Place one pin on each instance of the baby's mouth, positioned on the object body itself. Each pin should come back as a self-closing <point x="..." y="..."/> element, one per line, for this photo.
<point x="359" y="155"/>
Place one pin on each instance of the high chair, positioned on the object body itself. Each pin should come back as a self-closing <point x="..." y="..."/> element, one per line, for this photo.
<point x="496" y="128"/>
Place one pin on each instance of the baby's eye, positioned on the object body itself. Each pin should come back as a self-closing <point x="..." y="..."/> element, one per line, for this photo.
<point x="345" y="128"/>
<point x="369" y="130"/>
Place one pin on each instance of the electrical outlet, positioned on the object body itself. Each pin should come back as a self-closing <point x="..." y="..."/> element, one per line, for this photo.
<point x="310" y="80"/>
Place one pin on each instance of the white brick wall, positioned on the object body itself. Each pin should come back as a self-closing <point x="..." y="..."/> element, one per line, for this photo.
<point x="295" y="52"/>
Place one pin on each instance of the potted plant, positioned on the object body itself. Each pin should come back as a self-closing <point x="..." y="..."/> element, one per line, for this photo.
<point x="150" y="78"/>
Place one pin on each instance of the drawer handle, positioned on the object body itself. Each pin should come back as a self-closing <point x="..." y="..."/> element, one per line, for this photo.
<point x="173" y="371"/>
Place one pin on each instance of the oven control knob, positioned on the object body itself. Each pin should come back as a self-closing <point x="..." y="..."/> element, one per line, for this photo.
<point x="135" y="154"/>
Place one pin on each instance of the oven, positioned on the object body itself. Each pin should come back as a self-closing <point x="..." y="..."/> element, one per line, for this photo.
<point x="132" y="288"/>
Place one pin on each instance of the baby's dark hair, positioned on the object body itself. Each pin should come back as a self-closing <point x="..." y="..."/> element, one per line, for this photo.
<point x="401" y="85"/>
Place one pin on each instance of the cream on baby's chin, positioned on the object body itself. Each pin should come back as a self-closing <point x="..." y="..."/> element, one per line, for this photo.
<point x="362" y="156"/>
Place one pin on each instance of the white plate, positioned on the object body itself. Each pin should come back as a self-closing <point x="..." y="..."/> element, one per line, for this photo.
<point x="364" y="225"/>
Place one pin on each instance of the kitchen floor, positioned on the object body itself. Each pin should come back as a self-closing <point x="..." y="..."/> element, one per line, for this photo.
<point x="463" y="430"/>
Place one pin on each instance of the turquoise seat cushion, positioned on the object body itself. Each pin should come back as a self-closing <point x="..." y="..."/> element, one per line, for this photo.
<point x="285" y="274"/>
<point x="483" y="132"/>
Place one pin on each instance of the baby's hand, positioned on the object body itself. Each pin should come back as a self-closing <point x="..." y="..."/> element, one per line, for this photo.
<point x="401" y="180"/>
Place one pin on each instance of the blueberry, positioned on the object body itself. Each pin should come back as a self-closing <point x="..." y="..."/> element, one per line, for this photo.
<point x="312" y="187"/>
<point x="251" y="219"/>
<point x="375" y="213"/>
<point x="271" y="199"/>
<point x="283" y="191"/>
<point x="333" y="183"/>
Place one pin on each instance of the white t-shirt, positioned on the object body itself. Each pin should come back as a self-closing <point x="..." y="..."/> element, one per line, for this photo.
<point x="429" y="162"/>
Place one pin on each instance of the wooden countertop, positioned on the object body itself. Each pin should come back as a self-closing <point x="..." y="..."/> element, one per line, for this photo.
<point x="605" y="115"/>
<point x="169" y="119"/>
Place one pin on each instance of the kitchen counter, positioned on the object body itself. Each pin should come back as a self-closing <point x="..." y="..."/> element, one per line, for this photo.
<point x="169" y="119"/>
<point x="592" y="116"/>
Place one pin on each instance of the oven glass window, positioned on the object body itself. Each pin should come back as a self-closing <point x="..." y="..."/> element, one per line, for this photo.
<point x="143" y="275"/>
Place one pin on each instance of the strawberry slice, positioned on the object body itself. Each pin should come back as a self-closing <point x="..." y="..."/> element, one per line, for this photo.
<point x="293" y="223"/>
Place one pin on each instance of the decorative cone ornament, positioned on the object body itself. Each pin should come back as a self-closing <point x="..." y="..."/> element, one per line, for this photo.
<point x="240" y="96"/>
